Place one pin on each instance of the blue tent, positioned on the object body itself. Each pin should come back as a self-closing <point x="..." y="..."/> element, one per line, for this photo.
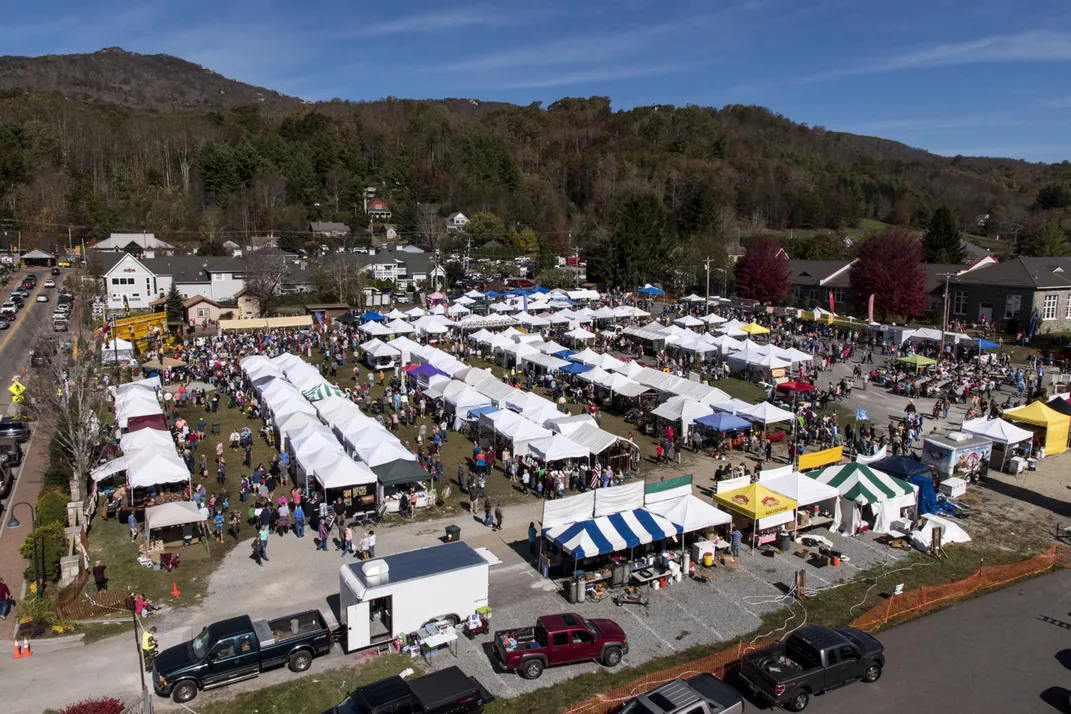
<point x="519" y="291"/>
<point x="575" y="368"/>
<point x="492" y="294"/>
<point x="563" y="354"/>
<point x="723" y="421"/>
<point x="372" y="316"/>
<point x="927" y="495"/>
<point x="651" y="290"/>
<point x="540" y="289"/>
<point x="987" y="345"/>
<point x="902" y="466"/>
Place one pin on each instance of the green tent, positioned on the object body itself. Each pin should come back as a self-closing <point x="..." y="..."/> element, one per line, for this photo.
<point x="323" y="391"/>
<point x="917" y="360"/>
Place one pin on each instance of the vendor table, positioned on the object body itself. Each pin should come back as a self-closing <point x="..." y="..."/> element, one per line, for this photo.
<point x="436" y="636"/>
<point x="647" y="575"/>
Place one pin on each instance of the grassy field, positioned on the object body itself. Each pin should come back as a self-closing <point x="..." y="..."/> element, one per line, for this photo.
<point x="110" y="540"/>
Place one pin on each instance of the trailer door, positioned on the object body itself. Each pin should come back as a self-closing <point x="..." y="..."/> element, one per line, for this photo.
<point x="357" y="627"/>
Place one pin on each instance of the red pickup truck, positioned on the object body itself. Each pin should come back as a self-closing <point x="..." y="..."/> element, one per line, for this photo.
<point x="560" y="639"/>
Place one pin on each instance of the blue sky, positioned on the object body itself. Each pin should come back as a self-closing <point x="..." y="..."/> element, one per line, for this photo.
<point x="977" y="77"/>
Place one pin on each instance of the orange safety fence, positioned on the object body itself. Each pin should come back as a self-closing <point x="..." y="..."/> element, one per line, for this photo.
<point x="909" y="603"/>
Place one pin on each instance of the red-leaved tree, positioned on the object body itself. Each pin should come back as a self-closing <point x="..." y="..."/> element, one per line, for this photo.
<point x="763" y="273"/>
<point x="890" y="267"/>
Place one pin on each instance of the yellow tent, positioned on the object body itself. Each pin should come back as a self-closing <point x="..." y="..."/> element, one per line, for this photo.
<point x="1054" y="423"/>
<point x="754" y="328"/>
<point x="755" y="501"/>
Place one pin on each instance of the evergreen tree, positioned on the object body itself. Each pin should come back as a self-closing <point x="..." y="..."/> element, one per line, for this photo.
<point x="176" y="311"/>
<point x="1049" y="239"/>
<point x="639" y="229"/>
<point x="943" y="243"/>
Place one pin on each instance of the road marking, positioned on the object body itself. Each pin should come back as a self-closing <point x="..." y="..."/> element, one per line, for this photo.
<point x="31" y="302"/>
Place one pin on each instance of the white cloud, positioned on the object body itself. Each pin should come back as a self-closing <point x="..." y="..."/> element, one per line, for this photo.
<point x="429" y="22"/>
<point x="1032" y="46"/>
<point x="1057" y="103"/>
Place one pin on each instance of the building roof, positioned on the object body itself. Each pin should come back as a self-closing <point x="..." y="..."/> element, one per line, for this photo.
<point x="328" y="227"/>
<point x="378" y="205"/>
<point x="1022" y="272"/>
<point x="452" y="216"/>
<point x="119" y="241"/>
<point x="975" y="251"/>
<point x="935" y="274"/>
<point x="193" y="268"/>
<point x="196" y="300"/>
<point x="816" y="272"/>
<point x="37" y="255"/>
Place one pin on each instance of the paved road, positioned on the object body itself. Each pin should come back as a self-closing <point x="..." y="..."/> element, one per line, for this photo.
<point x="33" y="321"/>
<point x="991" y="654"/>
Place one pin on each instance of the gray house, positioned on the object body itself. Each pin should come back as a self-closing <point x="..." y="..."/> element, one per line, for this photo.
<point x="1008" y="293"/>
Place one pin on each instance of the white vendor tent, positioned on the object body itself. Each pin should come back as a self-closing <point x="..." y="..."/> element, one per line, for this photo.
<point x="176" y="513"/>
<point x="804" y="491"/>
<point x="680" y="507"/>
<point x="148" y="467"/>
<point x="764" y="413"/>
<point x="998" y="430"/>
<point x="861" y="486"/>
<point x="683" y="409"/>
<point x="951" y="532"/>
<point x="118" y="351"/>
<point x="557" y="448"/>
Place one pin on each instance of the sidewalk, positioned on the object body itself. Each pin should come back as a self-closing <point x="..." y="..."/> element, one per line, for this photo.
<point x="28" y="485"/>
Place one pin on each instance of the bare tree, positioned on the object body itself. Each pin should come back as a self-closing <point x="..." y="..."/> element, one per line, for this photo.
<point x="68" y="397"/>
<point x="342" y="276"/>
<point x="264" y="274"/>
<point x="431" y="229"/>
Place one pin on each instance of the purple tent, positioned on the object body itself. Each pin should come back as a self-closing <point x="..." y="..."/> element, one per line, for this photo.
<point x="427" y="370"/>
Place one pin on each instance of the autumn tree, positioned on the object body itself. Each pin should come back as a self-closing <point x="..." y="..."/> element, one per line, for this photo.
<point x="762" y="273"/>
<point x="485" y="226"/>
<point x="431" y="229"/>
<point x="341" y="278"/>
<point x="557" y="278"/>
<point x="1048" y="240"/>
<point x="890" y="267"/>
<point x="943" y="242"/>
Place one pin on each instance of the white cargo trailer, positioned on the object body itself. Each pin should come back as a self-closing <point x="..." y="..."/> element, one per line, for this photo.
<point x="395" y="594"/>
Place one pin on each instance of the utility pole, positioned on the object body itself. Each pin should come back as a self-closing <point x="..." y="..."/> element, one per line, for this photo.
<point x="706" y="309"/>
<point x="944" y="315"/>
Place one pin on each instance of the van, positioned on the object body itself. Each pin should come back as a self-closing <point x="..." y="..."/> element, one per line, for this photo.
<point x="60" y="324"/>
<point x="10" y="451"/>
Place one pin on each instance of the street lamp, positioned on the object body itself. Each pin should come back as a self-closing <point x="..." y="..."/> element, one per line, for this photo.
<point x="14" y="523"/>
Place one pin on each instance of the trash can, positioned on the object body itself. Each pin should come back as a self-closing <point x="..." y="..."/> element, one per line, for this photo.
<point x="215" y="428"/>
<point x="708" y="560"/>
<point x="453" y="533"/>
<point x="784" y="541"/>
<point x="570" y="590"/>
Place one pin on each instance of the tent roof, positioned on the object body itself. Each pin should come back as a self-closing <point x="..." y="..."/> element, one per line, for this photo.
<point x="858" y="482"/>
<point x="755" y="501"/>
<point x="607" y="534"/>
<point x="148" y="467"/>
<point x="998" y="430"/>
<point x="902" y="466"/>
<point x="396" y="472"/>
<point x="176" y="513"/>
<point x="1037" y="413"/>
<point x="805" y="491"/>
<point x="558" y="447"/>
<point x="682" y="408"/>
<point x="689" y="513"/>
<point x="723" y="421"/>
<point x="765" y="413"/>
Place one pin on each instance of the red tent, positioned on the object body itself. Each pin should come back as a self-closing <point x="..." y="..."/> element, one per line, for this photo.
<point x="796" y="386"/>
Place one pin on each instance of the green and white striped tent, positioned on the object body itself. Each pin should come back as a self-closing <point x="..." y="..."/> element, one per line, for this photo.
<point x="862" y="484"/>
<point x="323" y="391"/>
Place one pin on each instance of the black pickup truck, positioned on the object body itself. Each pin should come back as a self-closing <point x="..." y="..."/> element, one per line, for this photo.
<point x="237" y="649"/>
<point x="813" y="659"/>
<point x="449" y="691"/>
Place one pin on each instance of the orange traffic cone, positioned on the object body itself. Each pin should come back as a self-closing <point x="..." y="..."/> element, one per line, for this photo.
<point x="26" y="651"/>
<point x="18" y="651"/>
<point x="174" y="589"/>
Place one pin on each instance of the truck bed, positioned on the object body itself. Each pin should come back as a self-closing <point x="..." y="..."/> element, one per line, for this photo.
<point x="517" y="640"/>
<point x="280" y="630"/>
<point x="445" y="689"/>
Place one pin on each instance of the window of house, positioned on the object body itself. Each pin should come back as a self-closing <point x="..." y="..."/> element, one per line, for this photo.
<point x="202" y="312"/>
<point x="1048" y="311"/>
<point x="1012" y="305"/>
<point x="1067" y="313"/>
<point x="959" y="302"/>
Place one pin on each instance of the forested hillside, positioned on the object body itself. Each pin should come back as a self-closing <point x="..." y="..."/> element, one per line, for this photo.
<point x="645" y="191"/>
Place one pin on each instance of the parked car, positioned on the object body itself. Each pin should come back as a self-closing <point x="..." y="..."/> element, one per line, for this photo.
<point x="60" y="324"/>
<point x="7" y="480"/>
<point x="9" y="308"/>
<point x="50" y="283"/>
<point x="4" y="323"/>
<point x="238" y="649"/>
<point x="702" y="694"/>
<point x="448" y="691"/>
<point x="10" y="451"/>
<point x="812" y="660"/>
<point x="20" y="293"/>
<point x="14" y="429"/>
<point x="560" y="639"/>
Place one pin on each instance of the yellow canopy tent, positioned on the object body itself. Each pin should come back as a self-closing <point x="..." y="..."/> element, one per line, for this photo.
<point x="754" y="328"/>
<point x="1054" y="424"/>
<point x="759" y="504"/>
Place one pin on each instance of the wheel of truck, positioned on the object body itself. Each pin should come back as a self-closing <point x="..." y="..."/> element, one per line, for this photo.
<point x="184" y="692"/>
<point x="300" y="661"/>
<point x="872" y="673"/>
<point x="611" y="657"/>
<point x="532" y="669"/>
<point x="798" y="702"/>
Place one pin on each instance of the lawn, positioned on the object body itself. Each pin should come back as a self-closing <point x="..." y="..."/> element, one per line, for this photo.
<point x="110" y="540"/>
<point x="313" y="693"/>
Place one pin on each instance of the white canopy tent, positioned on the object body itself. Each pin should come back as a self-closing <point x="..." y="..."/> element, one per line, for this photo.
<point x="174" y="514"/>
<point x="383" y="452"/>
<point x="557" y="448"/>
<point x="681" y="508"/>
<point x="764" y="413"/>
<point x="804" y="491"/>
<point x="117" y="351"/>
<point x="998" y="430"/>
<point x="683" y="409"/>
<point x="148" y="467"/>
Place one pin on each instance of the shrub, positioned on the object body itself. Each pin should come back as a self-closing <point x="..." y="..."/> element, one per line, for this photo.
<point x="52" y="541"/>
<point x="40" y="611"/>
<point x="52" y="508"/>
<point x="103" y="705"/>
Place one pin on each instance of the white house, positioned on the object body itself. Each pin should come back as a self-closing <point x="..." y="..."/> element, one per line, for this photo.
<point x="134" y="283"/>
<point x="456" y="222"/>
<point x="405" y="270"/>
<point x="378" y="210"/>
<point x="144" y="244"/>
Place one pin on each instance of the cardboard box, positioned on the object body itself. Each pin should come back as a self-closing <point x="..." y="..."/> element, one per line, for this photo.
<point x="729" y="561"/>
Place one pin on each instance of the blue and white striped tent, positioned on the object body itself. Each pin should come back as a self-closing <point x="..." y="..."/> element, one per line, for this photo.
<point x="608" y="534"/>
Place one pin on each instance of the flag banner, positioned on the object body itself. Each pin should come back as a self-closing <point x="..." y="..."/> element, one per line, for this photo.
<point x="861" y="415"/>
<point x="832" y="307"/>
<point x="870" y="308"/>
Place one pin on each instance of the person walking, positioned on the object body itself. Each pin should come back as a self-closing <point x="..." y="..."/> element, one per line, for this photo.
<point x="371" y="544"/>
<point x="533" y="535"/>
<point x="347" y="540"/>
<point x="487" y="514"/>
<point x="363" y="547"/>
<point x="99" y="578"/>
<point x="737" y="537"/>
<point x="498" y="517"/>
<point x="299" y="520"/>
<point x="322" y="533"/>
<point x="265" y="531"/>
